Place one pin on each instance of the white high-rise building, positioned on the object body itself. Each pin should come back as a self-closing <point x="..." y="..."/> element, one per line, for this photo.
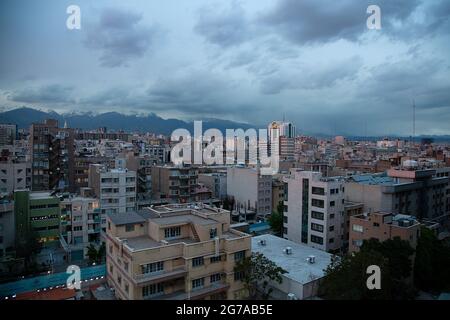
<point x="314" y="210"/>
<point x="115" y="188"/>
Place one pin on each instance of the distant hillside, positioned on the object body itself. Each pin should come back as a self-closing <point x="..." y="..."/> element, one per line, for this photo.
<point x="23" y="117"/>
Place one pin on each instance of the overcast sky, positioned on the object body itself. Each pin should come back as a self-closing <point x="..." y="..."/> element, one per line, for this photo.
<point x="251" y="61"/>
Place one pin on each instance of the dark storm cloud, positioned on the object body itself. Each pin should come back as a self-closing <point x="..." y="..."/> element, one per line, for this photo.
<point x="312" y="78"/>
<point x="225" y="28"/>
<point x="398" y="83"/>
<point x="310" y="21"/>
<point x="119" y="37"/>
<point x="54" y="93"/>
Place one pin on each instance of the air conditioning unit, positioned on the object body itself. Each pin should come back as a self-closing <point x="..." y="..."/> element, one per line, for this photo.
<point x="311" y="259"/>
<point x="288" y="250"/>
<point x="291" y="296"/>
<point x="262" y="242"/>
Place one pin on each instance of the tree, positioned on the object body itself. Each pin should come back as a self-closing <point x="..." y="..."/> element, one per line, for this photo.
<point x="27" y="248"/>
<point x="346" y="277"/>
<point x="397" y="251"/>
<point x="258" y="271"/>
<point x="276" y="219"/>
<point x="432" y="263"/>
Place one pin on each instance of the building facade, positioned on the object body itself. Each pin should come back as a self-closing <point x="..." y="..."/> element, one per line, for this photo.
<point x="314" y="210"/>
<point x="52" y="156"/>
<point x="250" y="190"/>
<point x="382" y="226"/>
<point x="175" y="252"/>
<point x="115" y="188"/>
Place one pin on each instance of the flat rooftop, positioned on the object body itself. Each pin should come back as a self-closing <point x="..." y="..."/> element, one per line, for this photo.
<point x="126" y="218"/>
<point x="37" y="195"/>
<point x="145" y="242"/>
<point x="296" y="264"/>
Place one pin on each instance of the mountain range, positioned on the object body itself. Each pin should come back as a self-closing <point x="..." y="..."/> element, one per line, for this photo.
<point x="115" y="121"/>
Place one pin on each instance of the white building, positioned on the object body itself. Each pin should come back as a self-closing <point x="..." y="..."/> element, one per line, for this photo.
<point x="314" y="210"/>
<point x="115" y="188"/>
<point x="14" y="176"/>
<point x="250" y="189"/>
<point x="82" y="224"/>
<point x="304" y="265"/>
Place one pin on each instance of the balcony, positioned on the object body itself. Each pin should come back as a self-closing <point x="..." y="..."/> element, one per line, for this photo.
<point x="194" y="294"/>
<point x="160" y="276"/>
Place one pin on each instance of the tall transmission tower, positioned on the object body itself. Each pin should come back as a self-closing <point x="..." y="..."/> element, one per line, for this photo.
<point x="414" y="120"/>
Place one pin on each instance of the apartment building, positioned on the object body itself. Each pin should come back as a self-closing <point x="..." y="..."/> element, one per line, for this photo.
<point x="81" y="169"/>
<point x="8" y="134"/>
<point x="175" y="252"/>
<point x="278" y="187"/>
<point x="176" y="184"/>
<point x="7" y="229"/>
<point x="14" y="175"/>
<point x="314" y="210"/>
<point x="115" y="188"/>
<point x="37" y="213"/>
<point x="412" y="192"/>
<point x="250" y="190"/>
<point x="52" y="156"/>
<point x="350" y="209"/>
<point x="216" y="182"/>
<point x="382" y="226"/>
<point x="81" y="225"/>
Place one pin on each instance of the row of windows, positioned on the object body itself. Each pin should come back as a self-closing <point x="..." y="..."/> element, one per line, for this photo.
<point x="172" y="232"/>
<point x="152" y="267"/>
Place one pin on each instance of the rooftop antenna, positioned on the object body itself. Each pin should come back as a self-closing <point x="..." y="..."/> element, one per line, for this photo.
<point x="414" y="120"/>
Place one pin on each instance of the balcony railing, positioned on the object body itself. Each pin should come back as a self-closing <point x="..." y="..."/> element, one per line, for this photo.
<point x="159" y="276"/>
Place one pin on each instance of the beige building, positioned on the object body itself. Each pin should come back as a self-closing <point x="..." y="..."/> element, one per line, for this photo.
<point x="176" y="184"/>
<point x="175" y="252"/>
<point x="382" y="226"/>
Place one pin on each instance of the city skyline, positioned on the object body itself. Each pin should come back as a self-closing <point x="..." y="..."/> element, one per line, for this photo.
<point x="249" y="62"/>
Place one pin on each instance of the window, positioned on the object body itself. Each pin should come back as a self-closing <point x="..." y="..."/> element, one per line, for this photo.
<point x="199" y="261"/>
<point x="357" y="243"/>
<point x="376" y="224"/>
<point x="317" y="215"/>
<point x="331" y="228"/>
<point x="215" y="259"/>
<point x="318" y="191"/>
<point x="317" y="227"/>
<point x="331" y="215"/>
<point x="127" y="288"/>
<point x="317" y="203"/>
<point x="285" y="219"/>
<point x="152" y="290"/>
<point x="172" y="232"/>
<point x="213" y="233"/>
<point x="239" y="275"/>
<point x="215" y="278"/>
<point x="239" y="256"/>
<point x="198" y="283"/>
<point x="331" y="240"/>
<point x="125" y="266"/>
<point x="153" y="267"/>
<point x="357" y="228"/>
<point x="129" y="227"/>
<point x="332" y="203"/>
<point x="316" y="239"/>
